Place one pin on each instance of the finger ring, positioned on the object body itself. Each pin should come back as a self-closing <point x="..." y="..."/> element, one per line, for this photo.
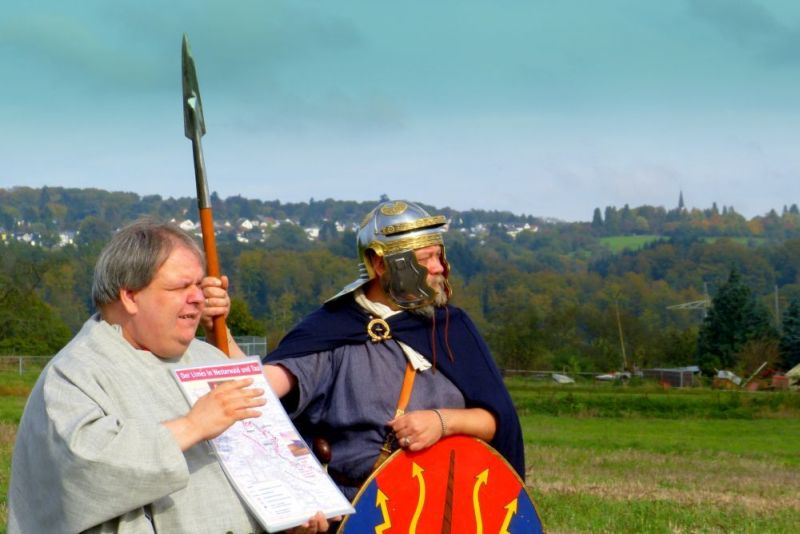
<point x="206" y="302"/>
<point x="406" y="441"/>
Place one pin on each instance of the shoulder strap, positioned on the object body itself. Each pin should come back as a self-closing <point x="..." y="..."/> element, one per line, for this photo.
<point x="402" y="404"/>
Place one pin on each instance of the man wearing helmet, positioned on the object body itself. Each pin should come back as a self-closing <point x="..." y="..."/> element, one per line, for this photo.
<point x="342" y="370"/>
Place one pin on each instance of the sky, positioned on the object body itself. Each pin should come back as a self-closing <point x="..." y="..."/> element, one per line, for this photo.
<point x="549" y="108"/>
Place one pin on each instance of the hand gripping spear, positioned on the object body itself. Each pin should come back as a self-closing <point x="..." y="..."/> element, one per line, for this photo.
<point x="195" y="128"/>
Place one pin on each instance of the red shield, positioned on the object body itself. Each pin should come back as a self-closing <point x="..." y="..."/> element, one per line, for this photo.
<point x="459" y="485"/>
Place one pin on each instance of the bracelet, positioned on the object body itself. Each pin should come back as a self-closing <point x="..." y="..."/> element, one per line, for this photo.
<point x="442" y="421"/>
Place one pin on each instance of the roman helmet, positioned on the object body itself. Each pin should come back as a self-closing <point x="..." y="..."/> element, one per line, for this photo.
<point x="393" y="231"/>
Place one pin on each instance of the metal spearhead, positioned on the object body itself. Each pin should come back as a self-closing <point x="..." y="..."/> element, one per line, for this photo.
<point x="193" y="123"/>
<point x="194" y="126"/>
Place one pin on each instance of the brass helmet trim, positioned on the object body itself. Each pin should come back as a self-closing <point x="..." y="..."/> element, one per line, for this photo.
<point x="410" y="243"/>
<point x="426" y="222"/>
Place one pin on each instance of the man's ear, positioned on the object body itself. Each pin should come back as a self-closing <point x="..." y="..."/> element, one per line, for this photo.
<point x="378" y="264"/>
<point x="128" y="299"/>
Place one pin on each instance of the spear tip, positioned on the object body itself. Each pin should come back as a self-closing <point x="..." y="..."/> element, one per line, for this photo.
<point x="193" y="122"/>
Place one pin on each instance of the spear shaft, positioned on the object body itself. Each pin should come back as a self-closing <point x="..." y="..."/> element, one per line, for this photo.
<point x="194" y="128"/>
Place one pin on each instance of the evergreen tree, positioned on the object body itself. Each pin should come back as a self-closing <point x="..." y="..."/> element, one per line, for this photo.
<point x="734" y="319"/>
<point x="597" y="221"/>
<point x="790" y="340"/>
<point x="611" y="218"/>
<point x="327" y="231"/>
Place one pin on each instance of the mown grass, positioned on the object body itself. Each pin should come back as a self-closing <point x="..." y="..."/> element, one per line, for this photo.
<point x="617" y="244"/>
<point x="649" y="400"/>
<point x="625" y="459"/>
<point x="636" y="459"/>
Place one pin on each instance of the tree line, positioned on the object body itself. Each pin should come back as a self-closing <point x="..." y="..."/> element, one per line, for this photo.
<point x="552" y="296"/>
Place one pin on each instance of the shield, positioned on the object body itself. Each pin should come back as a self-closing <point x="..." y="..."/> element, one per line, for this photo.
<point x="458" y="485"/>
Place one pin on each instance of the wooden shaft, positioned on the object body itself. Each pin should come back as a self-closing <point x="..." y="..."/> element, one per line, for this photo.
<point x="220" y="338"/>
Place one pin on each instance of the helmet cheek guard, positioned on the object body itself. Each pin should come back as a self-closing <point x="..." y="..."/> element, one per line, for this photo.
<point x="406" y="280"/>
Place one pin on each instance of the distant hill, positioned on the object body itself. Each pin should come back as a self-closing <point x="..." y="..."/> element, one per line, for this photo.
<point x="46" y="210"/>
<point x="65" y="209"/>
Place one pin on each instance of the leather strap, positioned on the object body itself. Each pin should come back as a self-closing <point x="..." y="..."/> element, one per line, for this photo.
<point x="402" y="404"/>
<point x="405" y="390"/>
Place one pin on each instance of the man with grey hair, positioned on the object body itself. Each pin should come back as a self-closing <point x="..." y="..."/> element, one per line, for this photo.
<point x="107" y="442"/>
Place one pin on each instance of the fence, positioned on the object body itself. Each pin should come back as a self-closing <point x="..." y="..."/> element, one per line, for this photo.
<point x="252" y="345"/>
<point x="23" y="364"/>
<point x="675" y="377"/>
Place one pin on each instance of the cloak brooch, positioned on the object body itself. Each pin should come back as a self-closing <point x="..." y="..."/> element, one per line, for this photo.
<point x="378" y="330"/>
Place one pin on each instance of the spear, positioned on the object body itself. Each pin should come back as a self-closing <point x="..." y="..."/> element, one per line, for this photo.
<point x="195" y="128"/>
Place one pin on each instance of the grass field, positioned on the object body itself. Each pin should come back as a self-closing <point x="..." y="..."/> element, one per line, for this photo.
<point x="627" y="242"/>
<point x="625" y="459"/>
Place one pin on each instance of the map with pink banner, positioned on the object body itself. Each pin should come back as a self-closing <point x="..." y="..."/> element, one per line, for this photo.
<point x="265" y="458"/>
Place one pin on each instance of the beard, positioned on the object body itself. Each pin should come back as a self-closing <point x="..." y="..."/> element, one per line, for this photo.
<point x="437" y="283"/>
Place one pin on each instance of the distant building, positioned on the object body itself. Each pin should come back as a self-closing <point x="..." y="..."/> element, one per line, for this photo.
<point x="66" y="238"/>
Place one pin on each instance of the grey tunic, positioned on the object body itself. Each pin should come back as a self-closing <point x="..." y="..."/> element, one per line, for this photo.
<point x="348" y="394"/>
<point x="92" y="455"/>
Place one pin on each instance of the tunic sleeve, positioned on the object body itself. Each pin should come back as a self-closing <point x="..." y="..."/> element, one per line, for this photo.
<point x="314" y="373"/>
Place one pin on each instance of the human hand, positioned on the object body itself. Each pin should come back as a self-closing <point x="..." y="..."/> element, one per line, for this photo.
<point x="216" y="302"/>
<point x="417" y="430"/>
<point x="227" y="403"/>
<point x="318" y="523"/>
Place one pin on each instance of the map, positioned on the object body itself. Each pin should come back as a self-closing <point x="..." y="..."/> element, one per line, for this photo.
<point x="266" y="460"/>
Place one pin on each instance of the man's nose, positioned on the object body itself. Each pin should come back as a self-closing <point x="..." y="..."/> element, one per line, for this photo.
<point x="435" y="266"/>
<point x="196" y="295"/>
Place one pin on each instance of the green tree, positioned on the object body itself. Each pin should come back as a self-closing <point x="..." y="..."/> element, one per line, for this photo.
<point x="790" y="340"/>
<point x="735" y="318"/>
<point x="516" y="336"/>
<point x="93" y="231"/>
<point x="327" y="231"/>
<point x="597" y="222"/>
<point x="28" y="326"/>
<point x="241" y="322"/>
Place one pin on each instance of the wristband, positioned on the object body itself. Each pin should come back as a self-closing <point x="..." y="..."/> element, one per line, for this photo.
<point x="441" y="420"/>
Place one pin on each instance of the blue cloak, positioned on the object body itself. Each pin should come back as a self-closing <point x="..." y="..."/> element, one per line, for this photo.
<point x="472" y="369"/>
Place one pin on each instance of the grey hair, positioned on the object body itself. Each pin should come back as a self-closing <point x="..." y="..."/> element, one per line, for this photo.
<point x="134" y="255"/>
